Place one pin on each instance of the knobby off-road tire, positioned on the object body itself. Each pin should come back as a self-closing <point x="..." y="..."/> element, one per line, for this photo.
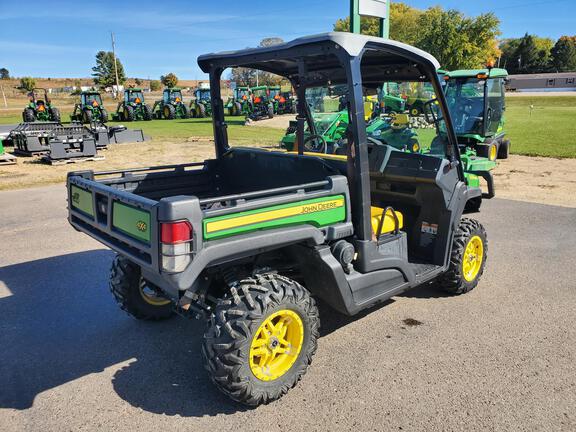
<point x="201" y="113"/>
<point x="457" y="280"/>
<point x="130" y="292"/>
<point x="239" y="318"/>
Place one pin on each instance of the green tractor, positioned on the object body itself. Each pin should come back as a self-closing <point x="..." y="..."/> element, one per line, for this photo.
<point x="274" y="96"/>
<point x="201" y="107"/>
<point x="40" y="109"/>
<point x="477" y="105"/>
<point x="6" y="158"/>
<point x="240" y="103"/>
<point x="90" y="108"/>
<point x="133" y="107"/>
<point x="171" y="106"/>
<point x="286" y="104"/>
<point x="262" y="104"/>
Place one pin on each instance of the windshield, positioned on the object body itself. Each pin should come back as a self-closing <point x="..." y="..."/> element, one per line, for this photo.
<point x="274" y="92"/>
<point x="203" y="94"/>
<point x="135" y="96"/>
<point x="388" y="118"/>
<point x="465" y="98"/>
<point x="176" y="96"/>
<point x="241" y="93"/>
<point x="92" y="99"/>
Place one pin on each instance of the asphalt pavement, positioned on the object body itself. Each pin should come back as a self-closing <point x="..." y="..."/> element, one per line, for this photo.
<point x="500" y="358"/>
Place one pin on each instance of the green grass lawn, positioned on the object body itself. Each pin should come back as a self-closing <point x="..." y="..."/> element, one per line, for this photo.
<point x="549" y="131"/>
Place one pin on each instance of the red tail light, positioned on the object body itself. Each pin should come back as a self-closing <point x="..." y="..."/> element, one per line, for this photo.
<point x="176" y="232"/>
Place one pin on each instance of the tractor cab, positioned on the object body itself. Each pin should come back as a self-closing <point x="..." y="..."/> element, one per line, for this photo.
<point x="476" y="99"/>
<point x="172" y="95"/>
<point x="92" y="99"/>
<point x="260" y="94"/>
<point x="133" y="96"/>
<point x="202" y="94"/>
<point x="242" y="93"/>
<point x="274" y="92"/>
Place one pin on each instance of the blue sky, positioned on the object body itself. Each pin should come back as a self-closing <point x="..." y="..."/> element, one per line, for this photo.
<point x="157" y="37"/>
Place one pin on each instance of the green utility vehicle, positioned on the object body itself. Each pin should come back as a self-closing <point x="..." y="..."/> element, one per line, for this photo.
<point x="90" y="108"/>
<point x="240" y="103"/>
<point x="171" y="106"/>
<point x="133" y="107"/>
<point x="40" y="109"/>
<point x="477" y="103"/>
<point x="262" y="103"/>
<point x="251" y="253"/>
<point x="201" y="106"/>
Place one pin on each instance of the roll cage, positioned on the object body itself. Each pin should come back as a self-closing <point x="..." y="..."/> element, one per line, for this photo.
<point x="357" y="61"/>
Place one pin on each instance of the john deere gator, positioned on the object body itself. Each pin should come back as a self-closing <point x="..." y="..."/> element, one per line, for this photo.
<point x="171" y="106"/>
<point x="251" y="255"/>
<point x="89" y="109"/>
<point x="40" y="109"/>
<point x="133" y="107"/>
<point x="477" y="103"/>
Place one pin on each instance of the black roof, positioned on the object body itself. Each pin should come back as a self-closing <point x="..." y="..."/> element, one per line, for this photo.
<point x="396" y="57"/>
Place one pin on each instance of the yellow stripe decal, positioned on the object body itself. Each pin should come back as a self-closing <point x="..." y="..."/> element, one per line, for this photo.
<point x="273" y="215"/>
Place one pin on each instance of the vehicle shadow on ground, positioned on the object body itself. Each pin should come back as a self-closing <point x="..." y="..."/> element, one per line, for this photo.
<point x="60" y="324"/>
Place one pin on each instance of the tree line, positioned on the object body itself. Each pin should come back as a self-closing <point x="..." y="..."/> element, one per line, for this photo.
<point x="462" y="42"/>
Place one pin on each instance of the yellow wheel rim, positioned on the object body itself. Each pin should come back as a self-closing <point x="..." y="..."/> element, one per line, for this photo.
<point x="414" y="112"/>
<point x="166" y="111"/>
<point x="493" y="152"/>
<point x="472" y="260"/>
<point x="152" y="297"/>
<point x="276" y="345"/>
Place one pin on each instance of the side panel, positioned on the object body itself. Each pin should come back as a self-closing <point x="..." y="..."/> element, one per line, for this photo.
<point x="319" y="212"/>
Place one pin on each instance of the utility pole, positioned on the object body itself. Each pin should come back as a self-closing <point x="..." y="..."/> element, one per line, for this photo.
<point x="115" y="65"/>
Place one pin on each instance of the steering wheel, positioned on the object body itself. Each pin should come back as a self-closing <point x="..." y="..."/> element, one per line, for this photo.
<point x="320" y="145"/>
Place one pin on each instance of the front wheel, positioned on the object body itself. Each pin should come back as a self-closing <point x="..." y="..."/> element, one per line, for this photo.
<point x="134" y="295"/>
<point x="55" y="114"/>
<point x="261" y="339"/>
<point x="468" y="258"/>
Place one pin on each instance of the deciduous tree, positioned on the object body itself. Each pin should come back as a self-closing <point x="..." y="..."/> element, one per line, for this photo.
<point x="169" y="80"/>
<point x="563" y="54"/>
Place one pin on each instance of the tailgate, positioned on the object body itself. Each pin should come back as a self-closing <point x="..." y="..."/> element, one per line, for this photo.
<point x="123" y="221"/>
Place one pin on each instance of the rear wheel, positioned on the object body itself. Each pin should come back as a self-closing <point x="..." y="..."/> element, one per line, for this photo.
<point x="128" y="113"/>
<point x="136" y="296"/>
<point x="504" y="149"/>
<point x="185" y="112"/>
<point x="488" y="150"/>
<point x="271" y="111"/>
<point x="238" y="106"/>
<point x="103" y="115"/>
<point x="468" y="258"/>
<point x="55" y="115"/>
<point x="169" y="112"/>
<point x="147" y="112"/>
<point x="28" y="115"/>
<point x="201" y="111"/>
<point x="261" y="339"/>
<point x="87" y="116"/>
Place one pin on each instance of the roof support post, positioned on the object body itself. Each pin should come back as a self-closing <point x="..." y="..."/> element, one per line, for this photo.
<point x="218" y="123"/>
